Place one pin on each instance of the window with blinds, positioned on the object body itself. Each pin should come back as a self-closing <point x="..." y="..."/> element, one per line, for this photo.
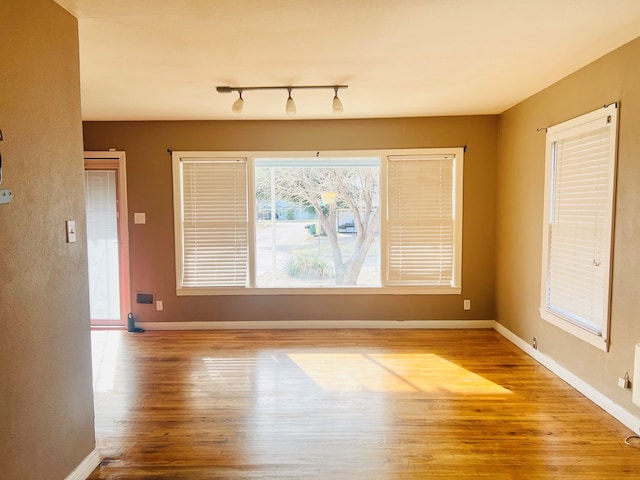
<point x="214" y="234"/>
<point x="580" y="183"/>
<point x="384" y="222"/>
<point x="423" y="220"/>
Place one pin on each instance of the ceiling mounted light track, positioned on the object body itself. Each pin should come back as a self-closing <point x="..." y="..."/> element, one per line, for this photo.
<point x="290" y="106"/>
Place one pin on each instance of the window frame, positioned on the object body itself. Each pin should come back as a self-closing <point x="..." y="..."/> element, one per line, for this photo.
<point x="582" y="124"/>
<point x="383" y="155"/>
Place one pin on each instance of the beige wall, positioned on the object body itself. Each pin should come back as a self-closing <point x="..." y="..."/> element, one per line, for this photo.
<point x="615" y="77"/>
<point x="46" y="403"/>
<point x="150" y="191"/>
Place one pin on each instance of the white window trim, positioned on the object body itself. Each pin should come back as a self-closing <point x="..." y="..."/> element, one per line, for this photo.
<point x="597" y="339"/>
<point x="455" y="289"/>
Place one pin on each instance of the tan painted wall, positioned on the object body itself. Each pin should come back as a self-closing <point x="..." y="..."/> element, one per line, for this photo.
<point x="615" y="77"/>
<point x="150" y="191"/>
<point x="46" y="399"/>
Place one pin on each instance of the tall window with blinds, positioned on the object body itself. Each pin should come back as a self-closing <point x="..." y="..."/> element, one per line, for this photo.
<point x="424" y="220"/>
<point x="580" y="187"/>
<point x="214" y="234"/>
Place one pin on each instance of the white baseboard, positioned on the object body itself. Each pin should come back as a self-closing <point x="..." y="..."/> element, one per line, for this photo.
<point x="318" y="324"/>
<point x="622" y="415"/>
<point x="85" y="468"/>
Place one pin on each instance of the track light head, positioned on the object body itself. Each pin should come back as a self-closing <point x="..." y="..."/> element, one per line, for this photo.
<point x="337" y="104"/>
<point x="291" y="105"/>
<point x="238" y="104"/>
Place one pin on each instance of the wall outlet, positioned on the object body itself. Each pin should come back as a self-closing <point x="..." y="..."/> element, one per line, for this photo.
<point x="159" y="305"/>
<point x="467" y="304"/>
<point x="534" y="344"/>
<point x="624" y="382"/>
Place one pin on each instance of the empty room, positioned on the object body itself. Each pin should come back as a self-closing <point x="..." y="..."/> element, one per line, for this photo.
<point x="303" y="239"/>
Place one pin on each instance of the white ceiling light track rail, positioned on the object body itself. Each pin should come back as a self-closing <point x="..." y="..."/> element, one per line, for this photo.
<point x="290" y="106"/>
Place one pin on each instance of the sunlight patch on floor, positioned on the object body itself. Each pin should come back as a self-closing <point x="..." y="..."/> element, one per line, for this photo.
<point x="104" y="352"/>
<point x="350" y="372"/>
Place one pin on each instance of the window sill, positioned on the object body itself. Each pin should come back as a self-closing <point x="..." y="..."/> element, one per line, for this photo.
<point x="592" y="338"/>
<point x="434" y="290"/>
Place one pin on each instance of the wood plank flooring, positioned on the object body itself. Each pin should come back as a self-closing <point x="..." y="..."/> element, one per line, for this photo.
<point x="343" y="404"/>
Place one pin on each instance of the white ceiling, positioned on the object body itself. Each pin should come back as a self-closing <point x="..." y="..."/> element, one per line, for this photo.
<point x="162" y="59"/>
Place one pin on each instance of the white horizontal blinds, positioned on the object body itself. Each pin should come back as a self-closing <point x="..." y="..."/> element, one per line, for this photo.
<point x="420" y="211"/>
<point x="102" y="244"/>
<point x="215" y="223"/>
<point x="580" y="224"/>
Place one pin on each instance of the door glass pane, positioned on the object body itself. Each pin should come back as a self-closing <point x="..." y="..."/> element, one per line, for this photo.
<point x="102" y="244"/>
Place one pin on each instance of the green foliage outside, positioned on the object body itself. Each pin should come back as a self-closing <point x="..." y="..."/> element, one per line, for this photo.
<point x="309" y="264"/>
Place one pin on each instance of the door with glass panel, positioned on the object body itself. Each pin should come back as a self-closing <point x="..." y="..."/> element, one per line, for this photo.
<point x="107" y="239"/>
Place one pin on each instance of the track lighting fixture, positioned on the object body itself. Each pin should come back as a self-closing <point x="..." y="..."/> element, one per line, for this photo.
<point x="238" y="104"/>
<point x="290" y="106"/>
<point x="337" y="104"/>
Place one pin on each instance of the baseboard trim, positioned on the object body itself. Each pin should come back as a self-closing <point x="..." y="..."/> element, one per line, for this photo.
<point x="621" y="414"/>
<point x="85" y="468"/>
<point x="319" y="324"/>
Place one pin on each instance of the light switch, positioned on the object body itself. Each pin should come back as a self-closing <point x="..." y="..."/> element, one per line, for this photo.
<point x="71" y="231"/>
<point x="140" y="218"/>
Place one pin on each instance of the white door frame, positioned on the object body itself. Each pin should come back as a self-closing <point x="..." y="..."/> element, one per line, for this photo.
<point x="96" y="160"/>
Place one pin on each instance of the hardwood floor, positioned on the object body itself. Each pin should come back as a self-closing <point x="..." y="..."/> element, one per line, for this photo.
<point x="343" y="404"/>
